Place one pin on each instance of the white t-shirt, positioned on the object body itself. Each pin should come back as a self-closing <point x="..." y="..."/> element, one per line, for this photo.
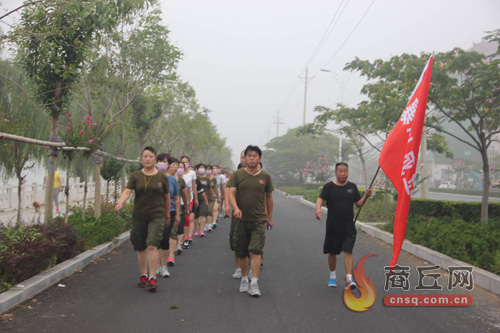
<point x="188" y="178"/>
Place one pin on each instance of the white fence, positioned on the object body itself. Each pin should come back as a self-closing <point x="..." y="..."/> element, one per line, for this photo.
<point x="36" y="192"/>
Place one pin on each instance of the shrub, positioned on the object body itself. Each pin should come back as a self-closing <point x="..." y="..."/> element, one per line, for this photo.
<point x="474" y="243"/>
<point x="374" y="211"/>
<point x="103" y="229"/>
<point x="24" y="252"/>
<point x="69" y="244"/>
<point x="467" y="211"/>
<point x="27" y="250"/>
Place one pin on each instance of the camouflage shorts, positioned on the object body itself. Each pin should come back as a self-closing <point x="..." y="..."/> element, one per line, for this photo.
<point x="249" y="236"/>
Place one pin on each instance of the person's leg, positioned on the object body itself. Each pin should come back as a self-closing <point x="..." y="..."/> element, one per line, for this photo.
<point x="161" y="269"/>
<point x="332" y="262"/>
<point x="155" y="231"/>
<point x="215" y="214"/>
<point x="243" y="264"/>
<point x="173" y="246"/>
<point x="348" y="263"/>
<point x="202" y="221"/>
<point x="347" y="247"/>
<point x="142" y="257"/>
<point x="163" y="257"/>
<point x="209" y="223"/>
<point x="237" y="272"/>
<point x="255" y="264"/>
<point x="241" y="238"/>
<point x="152" y="260"/>
<point x="192" y="227"/>
<point x="56" y="199"/>
<point x="255" y="247"/>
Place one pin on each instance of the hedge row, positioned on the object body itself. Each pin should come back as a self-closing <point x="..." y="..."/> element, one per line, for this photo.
<point x="475" y="243"/>
<point x="26" y="250"/>
<point x="467" y="211"/>
<point x="493" y="192"/>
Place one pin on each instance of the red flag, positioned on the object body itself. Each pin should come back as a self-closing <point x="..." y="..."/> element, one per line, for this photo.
<point x="399" y="155"/>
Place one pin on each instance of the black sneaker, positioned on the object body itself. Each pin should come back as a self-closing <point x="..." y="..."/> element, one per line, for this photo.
<point x="185" y="244"/>
<point x="143" y="281"/>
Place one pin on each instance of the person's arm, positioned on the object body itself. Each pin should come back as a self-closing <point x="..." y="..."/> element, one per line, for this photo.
<point x="270" y="206"/>
<point x="123" y="198"/>
<point x="232" y="200"/>
<point x="227" y="209"/>
<point x="223" y="192"/>
<point x="167" y="208"/>
<point x="204" y="197"/>
<point x="195" y="191"/>
<point x="185" y="198"/>
<point x="319" y="204"/>
<point x="217" y="190"/>
<point x="177" y="201"/>
<point x="361" y="201"/>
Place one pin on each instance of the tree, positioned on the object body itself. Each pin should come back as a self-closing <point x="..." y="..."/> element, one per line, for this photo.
<point x="53" y="39"/>
<point x="19" y="116"/>
<point x="465" y="91"/>
<point x="287" y="155"/>
<point x="111" y="171"/>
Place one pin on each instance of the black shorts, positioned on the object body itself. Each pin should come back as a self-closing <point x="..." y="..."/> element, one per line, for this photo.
<point x="165" y="241"/>
<point x="196" y="211"/>
<point x="336" y="243"/>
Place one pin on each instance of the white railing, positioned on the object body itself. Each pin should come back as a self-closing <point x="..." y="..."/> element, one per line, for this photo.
<point x="36" y="192"/>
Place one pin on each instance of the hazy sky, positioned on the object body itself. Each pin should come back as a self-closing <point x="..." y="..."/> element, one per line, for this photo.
<point x="244" y="58"/>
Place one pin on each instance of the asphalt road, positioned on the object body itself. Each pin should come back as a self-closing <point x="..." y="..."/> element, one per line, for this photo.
<point x="103" y="297"/>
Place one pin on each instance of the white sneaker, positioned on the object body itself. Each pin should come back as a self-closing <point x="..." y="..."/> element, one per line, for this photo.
<point x="237" y="274"/>
<point x="165" y="272"/>
<point x="254" y="289"/>
<point x="244" y="286"/>
<point x="158" y="269"/>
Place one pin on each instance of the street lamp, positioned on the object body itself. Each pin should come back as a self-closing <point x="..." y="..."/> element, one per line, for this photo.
<point x="342" y="81"/>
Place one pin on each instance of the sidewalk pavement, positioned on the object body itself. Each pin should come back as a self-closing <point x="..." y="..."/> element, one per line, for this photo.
<point x="29" y="215"/>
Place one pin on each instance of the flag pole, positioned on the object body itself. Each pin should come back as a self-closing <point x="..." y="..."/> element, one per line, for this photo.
<point x="365" y="198"/>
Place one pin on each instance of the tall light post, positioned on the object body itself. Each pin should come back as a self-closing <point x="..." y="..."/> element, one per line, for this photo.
<point x="342" y="81"/>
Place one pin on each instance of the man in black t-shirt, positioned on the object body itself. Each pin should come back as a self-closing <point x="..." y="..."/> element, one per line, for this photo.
<point x="340" y="196"/>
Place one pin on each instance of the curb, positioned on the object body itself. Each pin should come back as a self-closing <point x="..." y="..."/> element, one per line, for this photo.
<point x="482" y="278"/>
<point x="42" y="281"/>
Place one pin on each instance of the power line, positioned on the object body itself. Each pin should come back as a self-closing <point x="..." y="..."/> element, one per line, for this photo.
<point x="348" y="37"/>
<point x="291" y="91"/>
<point x="328" y="30"/>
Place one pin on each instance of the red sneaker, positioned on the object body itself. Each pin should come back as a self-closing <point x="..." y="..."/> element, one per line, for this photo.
<point x="143" y="281"/>
<point x="170" y="261"/>
<point x="152" y="284"/>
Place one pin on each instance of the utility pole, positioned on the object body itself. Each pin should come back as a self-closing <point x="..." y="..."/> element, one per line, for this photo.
<point x="423" y="166"/>
<point x="278" y="122"/>
<point x="305" y="100"/>
<point x="306" y="81"/>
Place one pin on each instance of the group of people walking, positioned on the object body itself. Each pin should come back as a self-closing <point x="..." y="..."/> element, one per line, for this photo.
<point x="175" y="201"/>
